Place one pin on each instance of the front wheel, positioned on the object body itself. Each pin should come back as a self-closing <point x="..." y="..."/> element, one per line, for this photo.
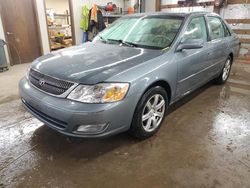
<point x="149" y="113"/>
<point x="222" y="78"/>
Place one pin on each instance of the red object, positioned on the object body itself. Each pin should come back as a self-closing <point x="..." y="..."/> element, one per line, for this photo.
<point x="109" y="8"/>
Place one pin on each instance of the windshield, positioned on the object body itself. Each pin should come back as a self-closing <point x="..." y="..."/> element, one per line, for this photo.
<point x="146" y="32"/>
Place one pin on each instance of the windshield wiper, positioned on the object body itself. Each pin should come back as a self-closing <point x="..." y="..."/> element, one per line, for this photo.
<point x="102" y="39"/>
<point x="130" y="44"/>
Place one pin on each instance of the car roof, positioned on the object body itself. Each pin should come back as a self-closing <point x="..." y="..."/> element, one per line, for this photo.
<point x="171" y="14"/>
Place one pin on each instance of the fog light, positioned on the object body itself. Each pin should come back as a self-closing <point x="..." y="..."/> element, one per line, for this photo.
<point x="92" y="128"/>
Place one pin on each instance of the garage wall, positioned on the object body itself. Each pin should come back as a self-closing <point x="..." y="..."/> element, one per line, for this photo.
<point x="43" y="26"/>
<point x="168" y="2"/>
<point x="60" y="6"/>
<point x="149" y="5"/>
<point x="172" y="6"/>
<point x="238" y="16"/>
<point x="189" y="9"/>
<point x="2" y="36"/>
<point x="235" y="11"/>
<point x="77" y="8"/>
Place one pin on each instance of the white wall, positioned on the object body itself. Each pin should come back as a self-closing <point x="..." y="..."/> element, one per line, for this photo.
<point x="185" y="9"/>
<point x="77" y="10"/>
<point x="43" y="26"/>
<point x="238" y="11"/>
<point x="2" y="36"/>
<point x="189" y="9"/>
<point x="168" y="2"/>
<point x="149" y="5"/>
<point x="60" y="6"/>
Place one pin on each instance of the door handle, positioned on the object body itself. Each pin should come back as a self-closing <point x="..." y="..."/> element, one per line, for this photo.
<point x="9" y="33"/>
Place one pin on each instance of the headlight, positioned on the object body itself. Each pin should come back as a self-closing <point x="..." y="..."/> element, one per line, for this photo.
<point x="99" y="93"/>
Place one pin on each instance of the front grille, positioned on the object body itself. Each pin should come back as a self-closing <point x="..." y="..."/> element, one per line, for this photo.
<point x="48" y="83"/>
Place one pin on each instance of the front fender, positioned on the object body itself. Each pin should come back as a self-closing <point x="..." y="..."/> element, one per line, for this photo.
<point x="162" y="68"/>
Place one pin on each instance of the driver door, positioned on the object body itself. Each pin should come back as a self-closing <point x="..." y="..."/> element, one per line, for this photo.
<point x="193" y="63"/>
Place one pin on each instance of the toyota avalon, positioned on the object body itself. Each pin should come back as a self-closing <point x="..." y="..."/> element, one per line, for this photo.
<point x="128" y="76"/>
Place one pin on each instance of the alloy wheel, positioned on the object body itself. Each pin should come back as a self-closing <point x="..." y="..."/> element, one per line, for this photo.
<point x="153" y="112"/>
<point x="226" y="70"/>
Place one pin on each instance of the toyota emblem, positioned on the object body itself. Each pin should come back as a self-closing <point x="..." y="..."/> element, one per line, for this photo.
<point x="41" y="82"/>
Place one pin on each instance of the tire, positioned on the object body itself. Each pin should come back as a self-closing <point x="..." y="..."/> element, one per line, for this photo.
<point x="222" y="78"/>
<point x="148" y="117"/>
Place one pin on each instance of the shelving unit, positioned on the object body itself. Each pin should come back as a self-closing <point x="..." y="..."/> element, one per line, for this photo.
<point x="67" y="16"/>
<point x="57" y="27"/>
<point x="60" y="35"/>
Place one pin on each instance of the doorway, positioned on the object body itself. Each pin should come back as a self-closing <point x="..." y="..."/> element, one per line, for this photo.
<point x="60" y="23"/>
<point x="21" y="30"/>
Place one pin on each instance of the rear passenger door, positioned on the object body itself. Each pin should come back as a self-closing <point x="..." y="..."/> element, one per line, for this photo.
<point x="219" y="42"/>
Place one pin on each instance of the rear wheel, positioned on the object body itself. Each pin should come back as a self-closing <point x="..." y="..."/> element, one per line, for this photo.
<point x="150" y="113"/>
<point x="225" y="72"/>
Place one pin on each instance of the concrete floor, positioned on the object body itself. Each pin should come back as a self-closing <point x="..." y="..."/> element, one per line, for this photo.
<point x="204" y="142"/>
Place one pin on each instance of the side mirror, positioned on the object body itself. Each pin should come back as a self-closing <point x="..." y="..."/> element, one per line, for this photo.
<point x="190" y="44"/>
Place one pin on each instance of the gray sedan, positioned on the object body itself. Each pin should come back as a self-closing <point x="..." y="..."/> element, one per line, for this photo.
<point x="128" y="76"/>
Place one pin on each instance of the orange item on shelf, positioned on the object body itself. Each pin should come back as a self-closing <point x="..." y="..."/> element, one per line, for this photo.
<point x="131" y="10"/>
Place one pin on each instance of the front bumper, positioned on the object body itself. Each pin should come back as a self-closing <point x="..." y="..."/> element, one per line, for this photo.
<point x="65" y="116"/>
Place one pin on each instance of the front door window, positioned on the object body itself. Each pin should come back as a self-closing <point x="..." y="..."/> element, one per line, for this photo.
<point x="196" y="30"/>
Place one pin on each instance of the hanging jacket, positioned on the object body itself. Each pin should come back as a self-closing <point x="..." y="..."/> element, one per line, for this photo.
<point x="100" y="25"/>
<point x="93" y="15"/>
<point x="85" y="18"/>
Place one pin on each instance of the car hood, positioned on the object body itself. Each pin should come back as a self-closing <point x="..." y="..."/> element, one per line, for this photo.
<point x="92" y="63"/>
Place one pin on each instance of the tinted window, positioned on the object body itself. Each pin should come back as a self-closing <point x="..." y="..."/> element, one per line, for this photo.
<point x="196" y="30"/>
<point x="216" y="28"/>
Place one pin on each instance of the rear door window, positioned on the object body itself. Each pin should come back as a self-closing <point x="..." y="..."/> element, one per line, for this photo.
<point x="226" y="30"/>
<point x="216" y="28"/>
